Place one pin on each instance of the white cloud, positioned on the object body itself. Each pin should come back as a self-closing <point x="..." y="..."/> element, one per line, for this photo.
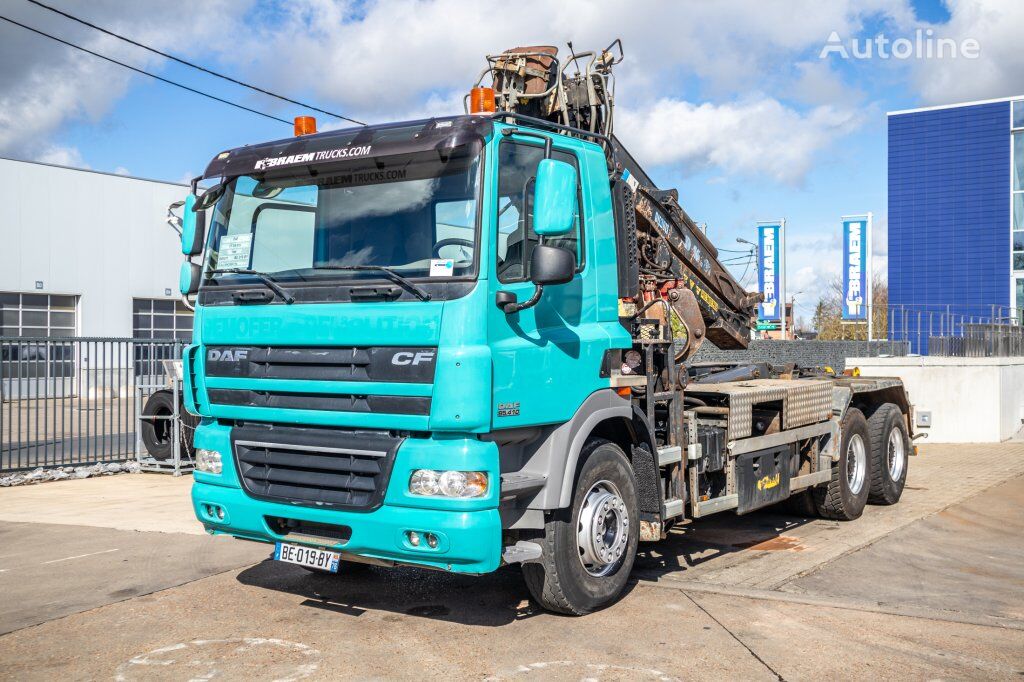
<point x="61" y="156"/>
<point x="761" y="137"/>
<point x="44" y="85"/>
<point x="816" y="83"/>
<point x="999" y="69"/>
<point x="377" y="56"/>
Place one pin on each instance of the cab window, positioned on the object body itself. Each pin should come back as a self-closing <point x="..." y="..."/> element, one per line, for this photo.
<point x="516" y="238"/>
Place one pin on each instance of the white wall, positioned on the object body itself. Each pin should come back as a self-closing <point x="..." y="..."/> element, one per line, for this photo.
<point x="99" y="236"/>
<point x="972" y="400"/>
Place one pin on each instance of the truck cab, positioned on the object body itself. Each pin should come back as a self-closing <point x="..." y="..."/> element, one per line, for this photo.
<point x="374" y="403"/>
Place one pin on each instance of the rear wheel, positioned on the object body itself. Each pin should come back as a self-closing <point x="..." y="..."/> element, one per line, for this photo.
<point x="844" y="497"/>
<point x="589" y="549"/>
<point x="890" y="447"/>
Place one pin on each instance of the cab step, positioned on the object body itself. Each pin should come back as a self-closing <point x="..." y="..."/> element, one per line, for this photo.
<point x="518" y="484"/>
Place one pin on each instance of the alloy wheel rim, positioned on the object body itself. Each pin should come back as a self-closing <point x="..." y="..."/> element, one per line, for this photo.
<point x="897" y="455"/>
<point x="856" y="463"/>
<point x="602" y="532"/>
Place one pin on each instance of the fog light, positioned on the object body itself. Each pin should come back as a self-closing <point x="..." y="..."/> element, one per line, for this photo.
<point x="220" y="513"/>
<point x="460" y="484"/>
<point x="208" y="461"/>
<point x="432" y="540"/>
<point x="414" y="538"/>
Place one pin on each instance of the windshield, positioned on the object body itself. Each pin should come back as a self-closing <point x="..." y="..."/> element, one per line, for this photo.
<point x="413" y="213"/>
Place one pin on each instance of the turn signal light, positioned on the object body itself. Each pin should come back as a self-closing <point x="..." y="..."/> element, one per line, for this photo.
<point x="304" y="125"/>
<point x="481" y="101"/>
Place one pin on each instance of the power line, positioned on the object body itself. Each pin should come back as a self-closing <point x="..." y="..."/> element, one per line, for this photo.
<point x="143" y="72"/>
<point x="192" y="64"/>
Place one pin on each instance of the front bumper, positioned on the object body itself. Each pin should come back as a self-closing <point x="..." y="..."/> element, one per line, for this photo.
<point x="469" y="531"/>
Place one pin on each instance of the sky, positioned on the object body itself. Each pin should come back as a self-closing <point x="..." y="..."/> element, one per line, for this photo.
<point x="753" y="109"/>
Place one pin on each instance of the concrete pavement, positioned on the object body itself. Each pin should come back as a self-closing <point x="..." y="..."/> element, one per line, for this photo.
<point x="927" y="589"/>
<point x="141" y="502"/>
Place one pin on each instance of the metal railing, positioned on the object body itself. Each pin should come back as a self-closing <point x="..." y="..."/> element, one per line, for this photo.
<point x="949" y="330"/>
<point x="958" y="331"/>
<point x="71" y="401"/>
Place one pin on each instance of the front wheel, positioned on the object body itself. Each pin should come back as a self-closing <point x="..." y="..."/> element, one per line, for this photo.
<point x="589" y="549"/>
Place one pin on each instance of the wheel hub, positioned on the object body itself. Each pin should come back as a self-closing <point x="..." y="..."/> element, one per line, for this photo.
<point x="603" y="529"/>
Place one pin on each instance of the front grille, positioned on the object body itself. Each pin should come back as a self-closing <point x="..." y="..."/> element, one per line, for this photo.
<point x="314" y="466"/>
<point x="330" y="402"/>
<point x="384" y="363"/>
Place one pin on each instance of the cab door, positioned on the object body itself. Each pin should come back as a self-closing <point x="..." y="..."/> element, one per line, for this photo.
<point x="544" y="366"/>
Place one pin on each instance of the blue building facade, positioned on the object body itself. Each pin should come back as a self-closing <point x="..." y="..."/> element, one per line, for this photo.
<point x="955" y="175"/>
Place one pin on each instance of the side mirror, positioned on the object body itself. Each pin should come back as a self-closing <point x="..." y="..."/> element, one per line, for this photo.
<point x="193" y="228"/>
<point x="548" y="265"/>
<point x="188" y="278"/>
<point x="551" y="265"/>
<point x="554" y="198"/>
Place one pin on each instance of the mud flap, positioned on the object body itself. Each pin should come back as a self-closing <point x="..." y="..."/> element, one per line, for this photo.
<point x="762" y="477"/>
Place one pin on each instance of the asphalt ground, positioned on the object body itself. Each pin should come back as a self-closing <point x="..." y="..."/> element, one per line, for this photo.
<point x="928" y="589"/>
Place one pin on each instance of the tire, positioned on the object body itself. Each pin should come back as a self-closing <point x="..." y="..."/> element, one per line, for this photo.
<point x="844" y="497"/>
<point x="157" y="432"/>
<point x="890" y="451"/>
<point x="559" y="581"/>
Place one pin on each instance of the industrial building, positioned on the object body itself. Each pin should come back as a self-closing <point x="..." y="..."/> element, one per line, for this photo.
<point x="87" y="253"/>
<point x="956" y="215"/>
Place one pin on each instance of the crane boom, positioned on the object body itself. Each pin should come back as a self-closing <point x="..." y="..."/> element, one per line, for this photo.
<point x="674" y="259"/>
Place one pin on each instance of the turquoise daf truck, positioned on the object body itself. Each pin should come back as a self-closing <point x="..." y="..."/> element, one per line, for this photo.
<point x="462" y="342"/>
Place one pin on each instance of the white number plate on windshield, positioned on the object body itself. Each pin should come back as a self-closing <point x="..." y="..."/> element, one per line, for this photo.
<point x="310" y="557"/>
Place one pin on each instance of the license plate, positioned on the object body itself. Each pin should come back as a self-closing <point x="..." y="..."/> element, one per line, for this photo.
<point x="310" y="557"/>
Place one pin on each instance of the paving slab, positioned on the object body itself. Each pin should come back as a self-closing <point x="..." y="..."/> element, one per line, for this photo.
<point x="968" y="558"/>
<point x="141" y="502"/>
<point x="766" y="550"/>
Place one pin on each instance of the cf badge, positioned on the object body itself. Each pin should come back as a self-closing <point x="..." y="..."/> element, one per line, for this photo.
<point x="412" y="358"/>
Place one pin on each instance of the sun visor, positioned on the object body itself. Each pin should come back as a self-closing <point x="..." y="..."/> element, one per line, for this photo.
<point x="338" y="146"/>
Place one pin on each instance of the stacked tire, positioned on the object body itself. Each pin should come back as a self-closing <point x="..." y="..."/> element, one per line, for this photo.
<point x="157" y="426"/>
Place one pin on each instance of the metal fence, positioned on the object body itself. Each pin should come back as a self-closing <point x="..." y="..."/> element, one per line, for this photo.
<point x="72" y="401"/>
<point x="959" y="331"/>
<point x="947" y="330"/>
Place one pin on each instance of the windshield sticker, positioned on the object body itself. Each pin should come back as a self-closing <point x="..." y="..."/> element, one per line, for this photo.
<point x="441" y="267"/>
<point x="313" y="157"/>
<point x="235" y="250"/>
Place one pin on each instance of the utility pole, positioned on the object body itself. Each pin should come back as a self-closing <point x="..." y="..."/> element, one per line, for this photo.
<point x="754" y="249"/>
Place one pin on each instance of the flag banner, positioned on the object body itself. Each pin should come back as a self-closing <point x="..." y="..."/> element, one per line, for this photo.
<point x="855" y="269"/>
<point x="769" y="271"/>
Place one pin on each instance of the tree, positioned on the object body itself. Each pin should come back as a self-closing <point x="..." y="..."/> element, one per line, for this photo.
<point x="828" y="314"/>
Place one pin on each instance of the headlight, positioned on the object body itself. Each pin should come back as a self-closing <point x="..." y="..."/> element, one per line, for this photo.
<point x="208" y="461"/>
<point x="461" y="484"/>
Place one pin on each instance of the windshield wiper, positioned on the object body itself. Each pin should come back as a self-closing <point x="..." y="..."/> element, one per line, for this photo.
<point x="263" y="277"/>
<point x="406" y="283"/>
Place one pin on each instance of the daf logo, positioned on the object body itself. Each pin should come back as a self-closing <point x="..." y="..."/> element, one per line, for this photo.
<point x="411" y="358"/>
<point x="227" y="355"/>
